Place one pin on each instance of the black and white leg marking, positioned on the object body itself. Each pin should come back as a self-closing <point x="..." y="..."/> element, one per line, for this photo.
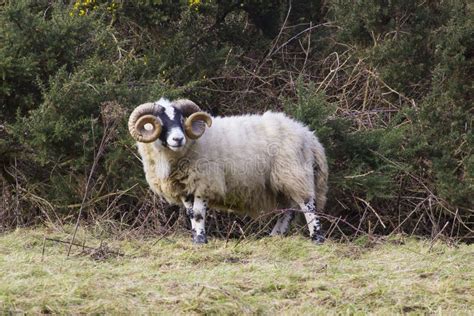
<point x="198" y="220"/>
<point x="196" y="211"/>
<point x="188" y="204"/>
<point x="283" y="223"/>
<point x="312" y="219"/>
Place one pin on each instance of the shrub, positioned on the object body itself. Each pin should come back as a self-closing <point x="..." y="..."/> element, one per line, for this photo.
<point x="384" y="84"/>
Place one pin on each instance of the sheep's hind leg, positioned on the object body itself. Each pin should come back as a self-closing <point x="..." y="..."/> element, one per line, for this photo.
<point x="283" y="223"/>
<point x="312" y="219"/>
<point x="198" y="219"/>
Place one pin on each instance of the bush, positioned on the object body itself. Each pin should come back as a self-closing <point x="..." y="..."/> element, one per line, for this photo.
<point x="443" y="121"/>
<point x="383" y="84"/>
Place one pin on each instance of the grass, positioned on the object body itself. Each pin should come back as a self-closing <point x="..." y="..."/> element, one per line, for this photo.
<point x="258" y="276"/>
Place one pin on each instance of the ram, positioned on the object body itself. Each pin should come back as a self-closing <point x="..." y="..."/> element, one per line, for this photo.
<point x="248" y="164"/>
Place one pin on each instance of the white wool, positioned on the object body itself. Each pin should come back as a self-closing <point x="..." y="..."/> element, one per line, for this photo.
<point x="249" y="164"/>
<point x="167" y="105"/>
<point x="164" y="102"/>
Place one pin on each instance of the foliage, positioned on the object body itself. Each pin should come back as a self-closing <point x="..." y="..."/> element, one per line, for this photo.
<point x="385" y="85"/>
<point x="395" y="36"/>
<point x="445" y="119"/>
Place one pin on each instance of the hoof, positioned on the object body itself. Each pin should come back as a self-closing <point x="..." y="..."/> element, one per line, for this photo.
<point x="318" y="239"/>
<point x="200" y="239"/>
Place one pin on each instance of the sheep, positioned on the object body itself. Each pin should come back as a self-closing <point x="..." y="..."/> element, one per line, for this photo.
<point x="247" y="164"/>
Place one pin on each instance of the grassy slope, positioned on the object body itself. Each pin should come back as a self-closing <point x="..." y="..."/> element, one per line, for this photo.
<point x="257" y="276"/>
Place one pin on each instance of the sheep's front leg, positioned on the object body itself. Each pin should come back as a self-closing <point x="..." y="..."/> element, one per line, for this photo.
<point x="312" y="219"/>
<point x="196" y="211"/>
<point x="188" y="204"/>
<point x="198" y="219"/>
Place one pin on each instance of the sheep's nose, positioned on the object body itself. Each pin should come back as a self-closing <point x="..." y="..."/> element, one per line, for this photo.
<point x="178" y="139"/>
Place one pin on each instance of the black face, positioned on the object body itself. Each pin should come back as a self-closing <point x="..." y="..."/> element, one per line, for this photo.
<point x="172" y="131"/>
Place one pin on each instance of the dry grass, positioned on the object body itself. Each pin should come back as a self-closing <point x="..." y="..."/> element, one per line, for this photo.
<point x="258" y="276"/>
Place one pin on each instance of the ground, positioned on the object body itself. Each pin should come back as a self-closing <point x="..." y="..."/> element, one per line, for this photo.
<point x="253" y="276"/>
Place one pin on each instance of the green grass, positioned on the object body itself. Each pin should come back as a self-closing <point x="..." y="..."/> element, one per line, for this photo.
<point x="258" y="276"/>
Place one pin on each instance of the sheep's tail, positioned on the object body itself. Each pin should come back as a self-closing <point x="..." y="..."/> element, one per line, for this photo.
<point x="320" y="176"/>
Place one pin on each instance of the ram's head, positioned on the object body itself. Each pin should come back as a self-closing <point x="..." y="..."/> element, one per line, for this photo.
<point x="168" y="122"/>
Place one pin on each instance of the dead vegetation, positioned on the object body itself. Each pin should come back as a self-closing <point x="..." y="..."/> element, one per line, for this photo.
<point x="340" y="79"/>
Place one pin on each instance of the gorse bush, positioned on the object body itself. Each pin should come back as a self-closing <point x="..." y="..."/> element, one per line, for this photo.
<point x="396" y="37"/>
<point x="385" y="85"/>
<point x="78" y="64"/>
<point x="36" y="44"/>
<point x="445" y="120"/>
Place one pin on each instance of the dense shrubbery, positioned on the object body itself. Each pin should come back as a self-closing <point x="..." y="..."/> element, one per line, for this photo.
<point x="386" y="86"/>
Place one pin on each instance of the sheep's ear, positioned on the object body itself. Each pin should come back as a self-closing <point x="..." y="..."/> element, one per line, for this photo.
<point x="195" y="125"/>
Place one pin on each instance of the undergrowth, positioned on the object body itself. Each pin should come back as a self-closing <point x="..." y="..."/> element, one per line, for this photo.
<point x="385" y="85"/>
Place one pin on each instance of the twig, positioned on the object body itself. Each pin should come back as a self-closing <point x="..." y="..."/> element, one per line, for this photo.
<point x="168" y="230"/>
<point x="437" y="235"/>
<point x="89" y="179"/>
<point x="298" y="34"/>
<point x="372" y="209"/>
<point x="229" y="232"/>
<point x="359" y="175"/>
<point x="83" y="246"/>
<point x="42" y="252"/>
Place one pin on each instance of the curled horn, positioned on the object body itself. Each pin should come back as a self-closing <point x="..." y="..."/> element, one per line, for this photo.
<point x="194" y="126"/>
<point x="142" y="115"/>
